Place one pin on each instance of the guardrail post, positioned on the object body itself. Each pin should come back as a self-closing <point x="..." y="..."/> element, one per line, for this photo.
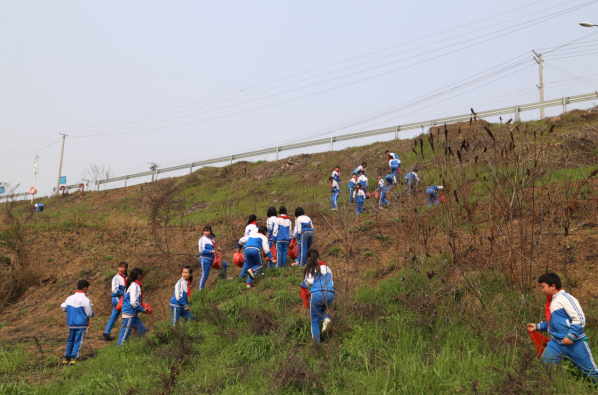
<point x="397" y="128"/>
<point x="277" y="151"/>
<point x="126" y="177"/>
<point x="517" y="116"/>
<point x="156" y="174"/>
<point x="191" y="168"/>
<point x="231" y="159"/>
<point x="565" y="101"/>
<point x="331" y="141"/>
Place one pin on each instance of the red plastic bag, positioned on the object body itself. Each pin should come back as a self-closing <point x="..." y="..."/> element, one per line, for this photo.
<point x="119" y="305"/>
<point x="305" y="296"/>
<point x="239" y="259"/>
<point x="294" y="251"/>
<point x="377" y="195"/>
<point x="442" y="199"/>
<point x="540" y="341"/>
<point x="147" y="307"/>
<point x="217" y="261"/>
<point x="399" y="170"/>
<point x="368" y="195"/>
<point x="272" y="251"/>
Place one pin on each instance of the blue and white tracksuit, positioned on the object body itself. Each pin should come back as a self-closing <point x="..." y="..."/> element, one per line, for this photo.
<point x="359" y="196"/>
<point x="207" y="252"/>
<point x="251" y="228"/>
<point x="119" y="282"/>
<point x="78" y="312"/>
<point x="254" y="244"/>
<point x="351" y="186"/>
<point x="270" y="225"/>
<point x="432" y="193"/>
<point x="131" y="308"/>
<point x="382" y="189"/>
<point x="180" y="301"/>
<point x="363" y="180"/>
<point x="568" y="320"/>
<point x="390" y="179"/>
<point x="335" y="191"/>
<point x="304" y="233"/>
<point x="321" y="288"/>
<point x="282" y="237"/>
<point x="358" y="169"/>
<point x="395" y="163"/>
<point x="410" y="179"/>
<point x="39" y="207"/>
<point x="337" y="176"/>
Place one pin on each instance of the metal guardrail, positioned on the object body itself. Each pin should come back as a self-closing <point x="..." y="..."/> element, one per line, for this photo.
<point x="394" y="129"/>
<point x="15" y="196"/>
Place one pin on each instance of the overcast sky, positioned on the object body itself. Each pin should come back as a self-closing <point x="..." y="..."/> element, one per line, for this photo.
<point x="173" y="82"/>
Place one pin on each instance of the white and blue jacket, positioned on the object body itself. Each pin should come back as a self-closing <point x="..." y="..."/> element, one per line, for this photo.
<point x="252" y="227"/>
<point x="321" y="282"/>
<point x="393" y="160"/>
<point x="358" y="169"/>
<point x="132" y="300"/>
<point x="282" y="229"/>
<point x="359" y="195"/>
<point x="363" y="180"/>
<point x="381" y="185"/>
<point x="118" y="285"/>
<point x="256" y="241"/>
<point x="433" y="190"/>
<point x="336" y="175"/>
<point x="352" y="183"/>
<point x="566" y="320"/>
<point x="270" y="225"/>
<point x="181" y="294"/>
<point x="412" y="177"/>
<point x="334" y="187"/>
<point x="78" y="310"/>
<point x="206" y="247"/>
<point x="302" y="224"/>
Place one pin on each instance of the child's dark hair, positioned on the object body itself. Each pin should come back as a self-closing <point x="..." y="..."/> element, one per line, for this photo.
<point x="337" y="167"/>
<point x="364" y="164"/>
<point x="299" y="212"/>
<point x="190" y="272"/>
<point x="387" y="152"/>
<point x="330" y="178"/>
<point x="272" y="212"/>
<point x="208" y="228"/>
<point x="282" y="210"/>
<point x="81" y="284"/>
<point x="135" y="273"/>
<point x="313" y="262"/>
<point x="550" y="279"/>
<point x="125" y="265"/>
<point x="251" y="219"/>
<point x="362" y="172"/>
<point x="262" y="229"/>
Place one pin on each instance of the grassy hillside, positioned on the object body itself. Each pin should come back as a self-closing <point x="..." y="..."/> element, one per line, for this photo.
<point x="429" y="300"/>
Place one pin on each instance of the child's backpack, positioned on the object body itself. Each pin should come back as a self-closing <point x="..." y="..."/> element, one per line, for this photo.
<point x="294" y="249"/>
<point x="119" y="305"/>
<point x="239" y="259"/>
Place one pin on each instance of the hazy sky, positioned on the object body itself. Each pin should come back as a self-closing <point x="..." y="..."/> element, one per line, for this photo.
<point x="173" y="82"/>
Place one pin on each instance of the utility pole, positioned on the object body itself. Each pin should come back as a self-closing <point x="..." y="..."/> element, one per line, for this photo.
<point x="60" y="164"/>
<point x="34" y="175"/>
<point x="541" y="86"/>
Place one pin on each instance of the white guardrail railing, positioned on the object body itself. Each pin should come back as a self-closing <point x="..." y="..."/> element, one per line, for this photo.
<point x="331" y="140"/>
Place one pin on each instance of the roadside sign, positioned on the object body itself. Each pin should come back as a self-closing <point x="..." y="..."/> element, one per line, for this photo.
<point x="1" y="189"/>
<point x="63" y="180"/>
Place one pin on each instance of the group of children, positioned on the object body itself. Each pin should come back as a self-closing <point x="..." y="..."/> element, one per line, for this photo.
<point x="358" y="186"/>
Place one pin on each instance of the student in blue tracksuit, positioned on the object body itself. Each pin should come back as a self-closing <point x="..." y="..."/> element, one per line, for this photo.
<point x="132" y="307"/>
<point x="251" y="225"/>
<point x="352" y="185"/>
<point x="359" y="196"/>
<point x="336" y="174"/>
<point x="360" y="168"/>
<point x="565" y="321"/>
<point x="119" y="283"/>
<point x="304" y="233"/>
<point x="382" y="189"/>
<point x="179" y="304"/>
<point x="432" y="193"/>
<point x="390" y="178"/>
<point x="335" y="191"/>
<point x="78" y="312"/>
<point x="363" y="180"/>
<point x="39" y="207"/>
<point x="207" y="252"/>
<point x="282" y="236"/>
<point x="394" y="162"/>
<point x="318" y="279"/>
<point x="271" y="215"/>
<point x="410" y="179"/>
<point x="254" y="244"/>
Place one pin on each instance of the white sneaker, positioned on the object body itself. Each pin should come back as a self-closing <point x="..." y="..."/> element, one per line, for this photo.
<point x="250" y="273"/>
<point x="295" y="264"/>
<point x="248" y="286"/>
<point x="327" y="325"/>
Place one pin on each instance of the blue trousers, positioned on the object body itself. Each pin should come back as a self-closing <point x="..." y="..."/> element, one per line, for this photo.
<point x="432" y="197"/>
<point x="383" y="198"/>
<point x="359" y="208"/>
<point x="39" y="210"/>
<point x="395" y="171"/>
<point x="205" y="264"/>
<point x="305" y="241"/>
<point x="579" y="353"/>
<point x="317" y="308"/>
<point x="114" y="316"/>
<point x="282" y="250"/>
<point x="409" y="186"/>
<point x="73" y="344"/>
<point x="334" y="198"/>
<point x="178" y="313"/>
<point x="350" y="195"/>
<point x="253" y="261"/>
<point x="129" y="325"/>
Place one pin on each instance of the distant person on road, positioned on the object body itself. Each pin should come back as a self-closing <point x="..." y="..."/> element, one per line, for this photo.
<point x="352" y="185"/>
<point x="363" y="180"/>
<point x="119" y="284"/>
<point x="282" y="236"/>
<point x="132" y="307"/>
<point x="432" y="193"/>
<point x="382" y="189"/>
<point x="179" y="304"/>
<point x="78" y="312"/>
<point x="335" y="191"/>
<point x="207" y="253"/>
<point x="251" y="225"/>
<point x="39" y="207"/>
<point x="394" y="162"/>
<point x="360" y="168"/>
<point x="254" y="244"/>
<point x="410" y="179"/>
<point x="317" y="291"/>
<point x="359" y="196"/>
<point x="272" y="215"/>
<point x="304" y="233"/>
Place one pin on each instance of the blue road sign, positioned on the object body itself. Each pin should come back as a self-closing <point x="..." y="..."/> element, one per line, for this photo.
<point x="63" y="180"/>
<point x="1" y="189"/>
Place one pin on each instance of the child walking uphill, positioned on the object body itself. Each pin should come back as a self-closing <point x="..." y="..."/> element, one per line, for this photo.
<point x="119" y="283"/>
<point x="565" y="321"/>
<point x="251" y="225"/>
<point x="254" y="244"/>
<point x="335" y="191"/>
<point x="336" y="174"/>
<point x="394" y="162"/>
<point x="132" y="306"/>
<point x="382" y="189"/>
<point x="359" y="196"/>
<point x="271" y="215"/>
<point x="318" y="279"/>
<point x="78" y="312"/>
<point x="207" y="253"/>
<point x="363" y="180"/>
<point x="179" y="304"/>
<point x="282" y="236"/>
<point x="304" y="233"/>
<point x="352" y="185"/>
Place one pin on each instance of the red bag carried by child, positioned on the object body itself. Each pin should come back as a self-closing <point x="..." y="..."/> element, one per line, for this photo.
<point x="147" y="307"/>
<point x="239" y="259"/>
<point x="293" y="249"/>
<point x="272" y="251"/>
<point x="119" y="305"/>
<point x="442" y="199"/>
<point x="217" y="257"/>
<point x="368" y="195"/>
<point x="377" y="195"/>
<point x="305" y="296"/>
<point x="540" y="341"/>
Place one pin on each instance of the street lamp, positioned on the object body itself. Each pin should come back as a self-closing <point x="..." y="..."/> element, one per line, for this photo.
<point x="587" y="24"/>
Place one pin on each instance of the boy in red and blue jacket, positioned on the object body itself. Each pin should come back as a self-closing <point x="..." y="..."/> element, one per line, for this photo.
<point x="78" y="312"/>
